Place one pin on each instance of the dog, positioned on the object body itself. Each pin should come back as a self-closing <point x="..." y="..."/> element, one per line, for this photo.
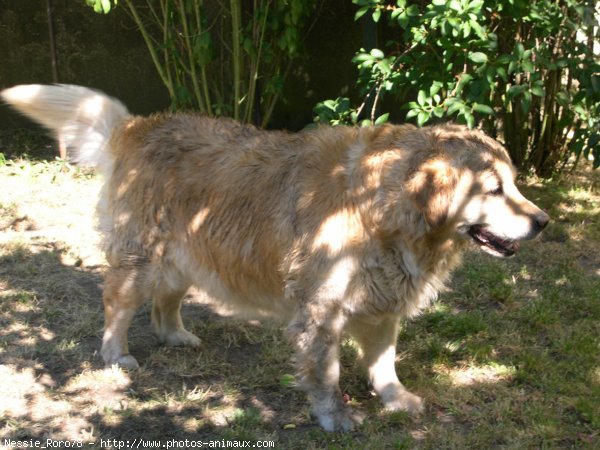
<point x="333" y="229"/>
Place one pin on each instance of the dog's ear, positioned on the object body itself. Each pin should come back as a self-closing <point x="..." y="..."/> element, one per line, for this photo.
<point x="431" y="188"/>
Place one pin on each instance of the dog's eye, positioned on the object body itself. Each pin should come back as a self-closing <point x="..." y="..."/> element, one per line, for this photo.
<point x="496" y="191"/>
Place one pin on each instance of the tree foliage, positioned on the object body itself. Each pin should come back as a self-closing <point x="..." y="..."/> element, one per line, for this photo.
<point x="524" y="70"/>
<point x="222" y="58"/>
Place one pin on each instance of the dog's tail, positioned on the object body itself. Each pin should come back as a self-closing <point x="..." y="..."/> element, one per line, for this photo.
<point x="84" y="118"/>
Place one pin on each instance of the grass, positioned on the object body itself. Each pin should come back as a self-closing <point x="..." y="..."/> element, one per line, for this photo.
<point x="508" y="358"/>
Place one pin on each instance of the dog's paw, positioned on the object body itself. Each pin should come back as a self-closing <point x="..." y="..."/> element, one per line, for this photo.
<point x="343" y="418"/>
<point x="180" y="338"/>
<point x="403" y="400"/>
<point x="124" y="362"/>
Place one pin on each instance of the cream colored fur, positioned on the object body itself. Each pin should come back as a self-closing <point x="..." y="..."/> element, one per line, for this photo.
<point x="333" y="229"/>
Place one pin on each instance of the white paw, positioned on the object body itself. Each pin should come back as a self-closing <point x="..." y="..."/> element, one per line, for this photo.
<point x="343" y="418"/>
<point x="403" y="400"/>
<point x="180" y="338"/>
<point x="124" y="362"/>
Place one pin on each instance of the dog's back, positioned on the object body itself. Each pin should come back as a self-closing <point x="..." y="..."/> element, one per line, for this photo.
<point x="201" y="198"/>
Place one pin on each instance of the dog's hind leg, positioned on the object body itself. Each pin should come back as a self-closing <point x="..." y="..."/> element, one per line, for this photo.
<point x="124" y="292"/>
<point x="166" y="316"/>
<point x="378" y="345"/>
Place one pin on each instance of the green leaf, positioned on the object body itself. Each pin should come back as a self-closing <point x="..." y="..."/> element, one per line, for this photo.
<point x="362" y="57"/>
<point x="361" y="12"/>
<point x="501" y="71"/>
<point x="422" y="98"/>
<point x="412" y="113"/>
<point x="413" y="10"/>
<point x="101" y="6"/>
<point x="515" y="90"/>
<point x="527" y="66"/>
<point x="466" y="28"/>
<point x="384" y="66"/>
<point x="470" y="119"/>
<point x="479" y="30"/>
<point x="563" y="99"/>
<point x="376" y="15"/>
<point x="478" y="57"/>
<point x="438" y="111"/>
<point x="455" y="106"/>
<point x="287" y="380"/>
<point x="519" y="50"/>
<point x="422" y="118"/>
<point x="456" y="6"/>
<point x="376" y="53"/>
<point x="538" y="90"/>
<point x="464" y="79"/>
<point x="403" y="20"/>
<point x="419" y="34"/>
<point x="483" y="109"/>
<point x="382" y="119"/>
<point x="435" y="88"/>
<point x="504" y="59"/>
<point x="475" y="6"/>
<point x="106" y="6"/>
<point x="490" y="74"/>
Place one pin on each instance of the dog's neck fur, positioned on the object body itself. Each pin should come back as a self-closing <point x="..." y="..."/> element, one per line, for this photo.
<point x="399" y="277"/>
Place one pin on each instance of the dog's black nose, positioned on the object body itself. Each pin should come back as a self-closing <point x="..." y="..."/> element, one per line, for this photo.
<point x="541" y="220"/>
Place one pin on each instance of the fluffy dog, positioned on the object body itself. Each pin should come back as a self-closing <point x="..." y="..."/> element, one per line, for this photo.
<point x="333" y="229"/>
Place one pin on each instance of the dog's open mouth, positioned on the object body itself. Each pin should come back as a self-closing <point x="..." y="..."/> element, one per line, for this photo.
<point x="492" y="243"/>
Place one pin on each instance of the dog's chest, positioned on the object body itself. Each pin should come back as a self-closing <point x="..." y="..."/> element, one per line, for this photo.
<point x="397" y="282"/>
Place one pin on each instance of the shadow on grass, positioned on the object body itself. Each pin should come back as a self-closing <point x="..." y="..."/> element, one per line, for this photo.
<point x="33" y="143"/>
<point x="54" y="384"/>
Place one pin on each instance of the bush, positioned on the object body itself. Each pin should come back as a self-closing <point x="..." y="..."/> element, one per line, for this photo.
<point x="522" y="70"/>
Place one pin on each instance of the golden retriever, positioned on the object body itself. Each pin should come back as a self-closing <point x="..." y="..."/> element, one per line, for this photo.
<point x="334" y="229"/>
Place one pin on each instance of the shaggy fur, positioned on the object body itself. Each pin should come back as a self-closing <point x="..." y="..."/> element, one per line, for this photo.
<point x="333" y="229"/>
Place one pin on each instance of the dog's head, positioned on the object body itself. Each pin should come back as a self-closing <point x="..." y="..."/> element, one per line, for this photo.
<point x="465" y="184"/>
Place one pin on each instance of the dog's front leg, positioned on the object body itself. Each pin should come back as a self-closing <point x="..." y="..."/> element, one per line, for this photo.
<point x="377" y="340"/>
<point x="315" y="332"/>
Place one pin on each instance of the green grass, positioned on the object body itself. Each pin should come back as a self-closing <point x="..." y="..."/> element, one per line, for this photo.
<point x="508" y="358"/>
